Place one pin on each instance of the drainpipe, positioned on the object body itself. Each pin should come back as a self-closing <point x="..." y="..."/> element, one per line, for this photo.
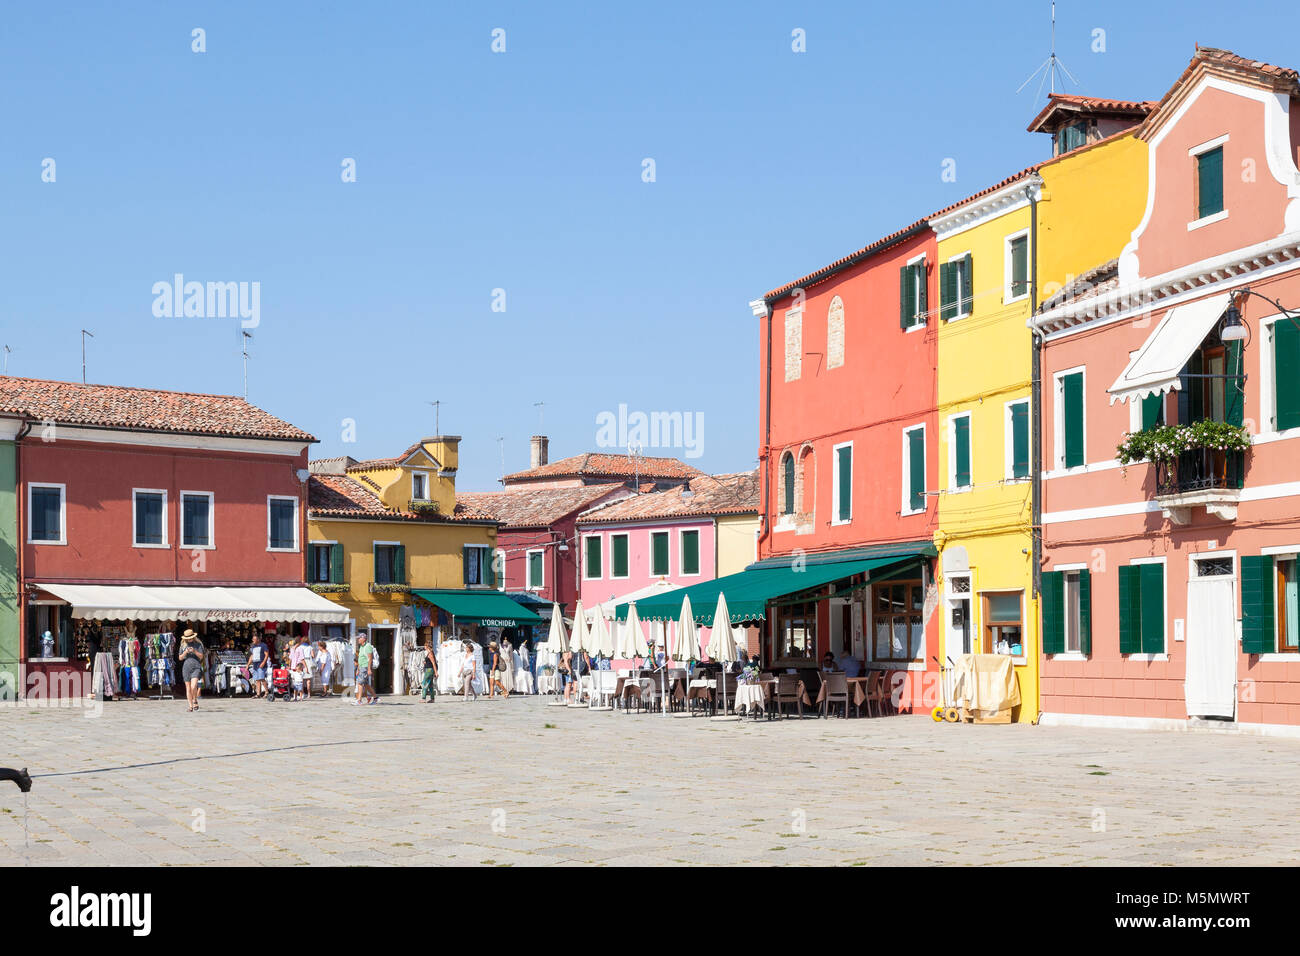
<point x="1035" y="395"/>
<point x="763" y="309"/>
<point x="20" y="509"/>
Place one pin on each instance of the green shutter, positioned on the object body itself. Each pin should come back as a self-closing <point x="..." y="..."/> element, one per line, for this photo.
<point x="399" y="564"/>
<point x="967" y="287"/>
<point x="1130" y="610"/>
<point x="1209" y="181"/>
<point x="464" y="565"/>
<point x="1072" y="396"/>
<point x="619" y="543"/>
<point x="1020" y="440"/>
<point x="690" y="552"/>
<point x="1085" y="611"/>
<point x="336" y="563"/>
<point x="1234" y="387"/>
<point x="921" y="292"/>
<point x="593" y="561"/>
<point x="1258" y="610"/>
<point x="844" y="460"/>
<point x="1152" y="406"/>
<point x="1053" y="605"/>
<point x="947" y="290"/>
<point x="1286" y="373"/>
<point x="904" y="297"/>
<point x="1152" y="577"/>
<point x="961" y="448"/>
<point x="659" y="552"/>
<point x="535" y="570"/>
<point x="374" y="563"/>
<point x="787" y="477"/>
<point x="916" y="469"/>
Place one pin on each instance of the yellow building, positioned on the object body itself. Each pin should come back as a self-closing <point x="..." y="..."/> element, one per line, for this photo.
<point x="379" y="529"/>
<point x="999" y="253"/>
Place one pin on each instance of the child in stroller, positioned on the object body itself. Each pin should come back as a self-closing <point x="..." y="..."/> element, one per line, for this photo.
<point x="281" y="683"/>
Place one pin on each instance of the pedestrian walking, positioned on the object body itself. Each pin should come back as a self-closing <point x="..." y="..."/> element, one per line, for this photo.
<point x="324" y="664"/>
<point x="496" y="666"/>
<point x="365" y="655"/>
<point x="469" y="670"/>
<point x="429" y="688"/>
<point x="192" y="657"/>
<point x="258" y="659"/>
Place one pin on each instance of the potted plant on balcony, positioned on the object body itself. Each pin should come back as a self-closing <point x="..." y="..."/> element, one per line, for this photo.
<point x="1165" y="446"/>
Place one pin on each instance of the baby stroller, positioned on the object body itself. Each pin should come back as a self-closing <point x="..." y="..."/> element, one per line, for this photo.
<point x="280" y="684"/>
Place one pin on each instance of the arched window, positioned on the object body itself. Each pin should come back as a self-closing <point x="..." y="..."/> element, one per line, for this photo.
<point x="787" y="484"/>
<point x="835" y="333"/>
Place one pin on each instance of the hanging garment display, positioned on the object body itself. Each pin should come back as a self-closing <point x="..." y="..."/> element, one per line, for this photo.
<point x="128" y="662"/>
<point x="160" y="659"/>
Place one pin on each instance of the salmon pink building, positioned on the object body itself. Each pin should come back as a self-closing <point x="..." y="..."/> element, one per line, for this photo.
<point x="1171" y="428"/>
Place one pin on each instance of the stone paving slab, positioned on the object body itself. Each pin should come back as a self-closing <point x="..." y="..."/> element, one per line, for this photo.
<point x="518" y="783"/>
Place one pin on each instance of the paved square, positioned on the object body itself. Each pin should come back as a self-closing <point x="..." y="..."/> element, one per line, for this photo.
<point x="520" y="782"/>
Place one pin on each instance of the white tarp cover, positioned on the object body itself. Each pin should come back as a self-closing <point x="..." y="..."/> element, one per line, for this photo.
<point x="1154" y="368"/>
<point x="162" y="603"/>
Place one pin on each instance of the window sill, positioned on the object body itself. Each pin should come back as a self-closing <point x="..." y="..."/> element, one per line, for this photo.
<point x="62" y="543"/>
<point x="1146" y="658"/>
<point x="198" y="547"/>
<point x="1068" y="656"/>
<point x="1278" y="657"/>
<point x="905" y="513"/>
<point x="841" y="521"/>
<point x="1008" y="299"/>
<point x="961" y="490"/>
<point x="914" y="328"/>
<point x="152" y="547"/>
<point x="282" y="550"/>
<point x="1219" y="216"/>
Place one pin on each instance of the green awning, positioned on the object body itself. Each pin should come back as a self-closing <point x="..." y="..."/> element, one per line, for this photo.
<point x="489" y="608"/>
<point x="749" y="591"/>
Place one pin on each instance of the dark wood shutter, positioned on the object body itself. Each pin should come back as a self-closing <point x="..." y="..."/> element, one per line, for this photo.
<point x="1085" y="611"/>
<point x="464" y="565"/>
<point x="659" y="552"/>
<point x="1020" y="440"/>
<point x="1258" y="610"/>
<point x="904" y="297"/>
<point x="845" y="463"/>
<point x="1286" y="374"/>
<point x="1130" y="610"/>
<point x="961" y="448"/>
<point x="1152" y="405"/>
<point x="619" y="560"/>
<point x="921" y="292"/>
<point x="947" y="290"/>
<point x="1152" y="577"/>
<point x="1072" y="396"/>
<point x="1209" y="182"/>
<point x="967" y="290"/>
<point x="1234" y="386"/>
<point x="399" y="564"/>
<point x="787" y="480"/>
<point x="336" y="563"/>
<point x="1053" y="592"/>
<point x="916" y="469"/>
<point x="690" y="552"/>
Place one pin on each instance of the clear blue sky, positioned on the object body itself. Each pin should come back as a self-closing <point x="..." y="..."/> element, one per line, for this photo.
<point x="519" y="171"/>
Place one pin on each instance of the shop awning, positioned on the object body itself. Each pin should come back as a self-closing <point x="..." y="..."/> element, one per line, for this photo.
<point x="115" y="602"/>
<point x="1154" y="368"/>
<point x="749" y="591"/>
<point x="489" y="608"/>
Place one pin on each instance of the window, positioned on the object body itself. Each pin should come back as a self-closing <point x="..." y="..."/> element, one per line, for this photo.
<point x="420" y="486"/>
<point x="956" y="295"/>
<point x="1270" y="604"/>
<point x="390" y="563"/>
<point x="1142" y="609"/>
<point x="796" y="633"/>
<point x="282" y="523"/>
<point x="1209" y="183"/>
<point x="787" y="484"/>
<point x="499" y="566"/>
<point x="899" y="625"/>
<point x="325" y="564"/>
<point x="911" y="295"/>
<point x="1067" y="611"/>
<point x="1285" y="356"/>
<point x="914" y="470"/>
<point x="45" y="507"/>
<point x="793" y="344"/>
<point x="659" y="553"/>
<point x="690" y="552"/>
<point x="843" y="483"/>
<point x="196" y="519"/>
<point x="1017" y="268"/>
<point x="1070" y="452"/>
<point x="535" y="578"/>
<point x="1213" y="384"/>
<point x="1004" y="623"/>
<point x="1017" y="441"/>
<point x="618" y="556"/>
<point x="149" y="515"/>
<point x="57" y="620"/>
<point x="1071" y="137"/>
<point x="959" y="467"/>
<point x="477" y="566"/>
<point x="835" y="333"/>
<point x="591" y="561"/>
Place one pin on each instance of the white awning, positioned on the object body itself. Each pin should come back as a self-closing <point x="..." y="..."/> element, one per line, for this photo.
<point x="138" y="603"/>
<point x="1154" y="368"/>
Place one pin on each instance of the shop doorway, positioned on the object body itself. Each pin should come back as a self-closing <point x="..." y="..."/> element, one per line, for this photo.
<point x="958" y="638"/>
<point x="1211" y="677"/>
<point x="385" y="640"/>
<point x="841" y="627"/>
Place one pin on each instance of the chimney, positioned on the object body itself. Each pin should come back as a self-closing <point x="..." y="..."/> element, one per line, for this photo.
<point x="537" y="457"/>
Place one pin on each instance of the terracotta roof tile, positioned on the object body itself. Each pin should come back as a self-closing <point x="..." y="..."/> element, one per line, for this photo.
<point x="1274" y="76"/>
<point x="596" y="464"/>
<point x="1090" y="104"/>
<point x="536" y="507"/>
<point x="142" y="409"/>
<point x="340" y="496"/>
<point x="733" y="494"/>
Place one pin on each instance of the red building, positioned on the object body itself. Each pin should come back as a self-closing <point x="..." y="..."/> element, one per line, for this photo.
<point x="847" y="362"/>
<point x="144" y="512"/>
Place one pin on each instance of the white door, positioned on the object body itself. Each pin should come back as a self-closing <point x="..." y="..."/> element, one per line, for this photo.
<point x="1210" y="685"/>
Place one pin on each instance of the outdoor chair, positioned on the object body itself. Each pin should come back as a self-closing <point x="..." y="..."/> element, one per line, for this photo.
<point x="730" y="682"/>
<point x="878" y="693"/>
<point x="837" y="692"/>
<point x="787" y="692"/>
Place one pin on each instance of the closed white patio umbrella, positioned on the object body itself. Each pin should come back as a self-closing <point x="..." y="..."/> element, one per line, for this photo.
<point x="722" y="647"/>
<point x="687" y="646"/>
<point x="602" y="645"/>
<point x="557" y="642"/>
<point x="634" y="644"/>
<point x="579" y="641"/>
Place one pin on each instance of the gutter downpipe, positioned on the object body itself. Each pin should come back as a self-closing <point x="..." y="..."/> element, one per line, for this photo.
<point x="1036" y="406"/>
<point x="19" y="547"/>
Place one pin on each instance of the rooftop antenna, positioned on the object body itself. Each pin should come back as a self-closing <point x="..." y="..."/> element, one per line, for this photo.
<point x="244" y="341"/>
<point x="501" y="443"/>
<point x="634" y="450"/>
<point x="7" y="351"/>
<point x="437" y="417"/>
<point x="84" y="333"/>
<point x="1049" y="67"/>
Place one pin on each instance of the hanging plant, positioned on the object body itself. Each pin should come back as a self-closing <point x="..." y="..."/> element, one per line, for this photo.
<point x="1165" y="443"/>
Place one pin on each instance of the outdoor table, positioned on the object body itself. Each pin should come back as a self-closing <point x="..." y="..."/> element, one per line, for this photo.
<point x="859" y="687"/>
<point x="700" y="690"/>
<point x="752" y="697"/>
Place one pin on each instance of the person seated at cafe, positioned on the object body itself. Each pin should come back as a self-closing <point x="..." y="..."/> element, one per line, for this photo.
<point x="851" y="666"/>
<point x="828" y="662"/>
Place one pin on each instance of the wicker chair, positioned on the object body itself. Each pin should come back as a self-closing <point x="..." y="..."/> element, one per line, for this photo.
<point x="837" y="692"/>
<point x="787" y="692"/>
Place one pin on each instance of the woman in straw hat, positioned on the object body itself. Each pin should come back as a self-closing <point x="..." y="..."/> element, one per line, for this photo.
<point x="192" y="653"/>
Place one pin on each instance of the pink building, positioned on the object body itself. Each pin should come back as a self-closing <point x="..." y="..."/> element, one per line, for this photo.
<point x="1170" y="587"/>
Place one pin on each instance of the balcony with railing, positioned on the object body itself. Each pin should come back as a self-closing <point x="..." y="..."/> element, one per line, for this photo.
<point x="1208" y="477"/>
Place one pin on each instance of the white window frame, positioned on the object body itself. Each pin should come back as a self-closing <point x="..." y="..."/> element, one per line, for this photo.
<point x="835" y="484"/>
<point x="1058" y="421"/>
<point x="918" y="321"/>
<point x="681" y="553"/>
<point x="315" y="542"/>
<point x="296" y="522"/>
<point x="959" y="258"/>
<point x="651" y="554"/>
<point x="1165" y="598"/>
<point x="1025" y="630"/>
<point x="466" y="544"/>
<point x="427" y="485"/>
<point x="63" y="512"/>
<point x="528" y="569"/>
<point x="586" y="568"/>
<point x="1007" y="297"/>
<point x="1069" y="655"/>
<point x="501" y="581"/>
<point x="1284" y="552"/>
<point x="1194" y="154"/>
<point x="1009" y="440"/>
<point x="212" y="521"/>
<point x="620" y="534"/>
<point x="135" y="494"/>
<point x="906" y="508"/>
<point x="1267" y="427"/>
<point x="953" y="487"/>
